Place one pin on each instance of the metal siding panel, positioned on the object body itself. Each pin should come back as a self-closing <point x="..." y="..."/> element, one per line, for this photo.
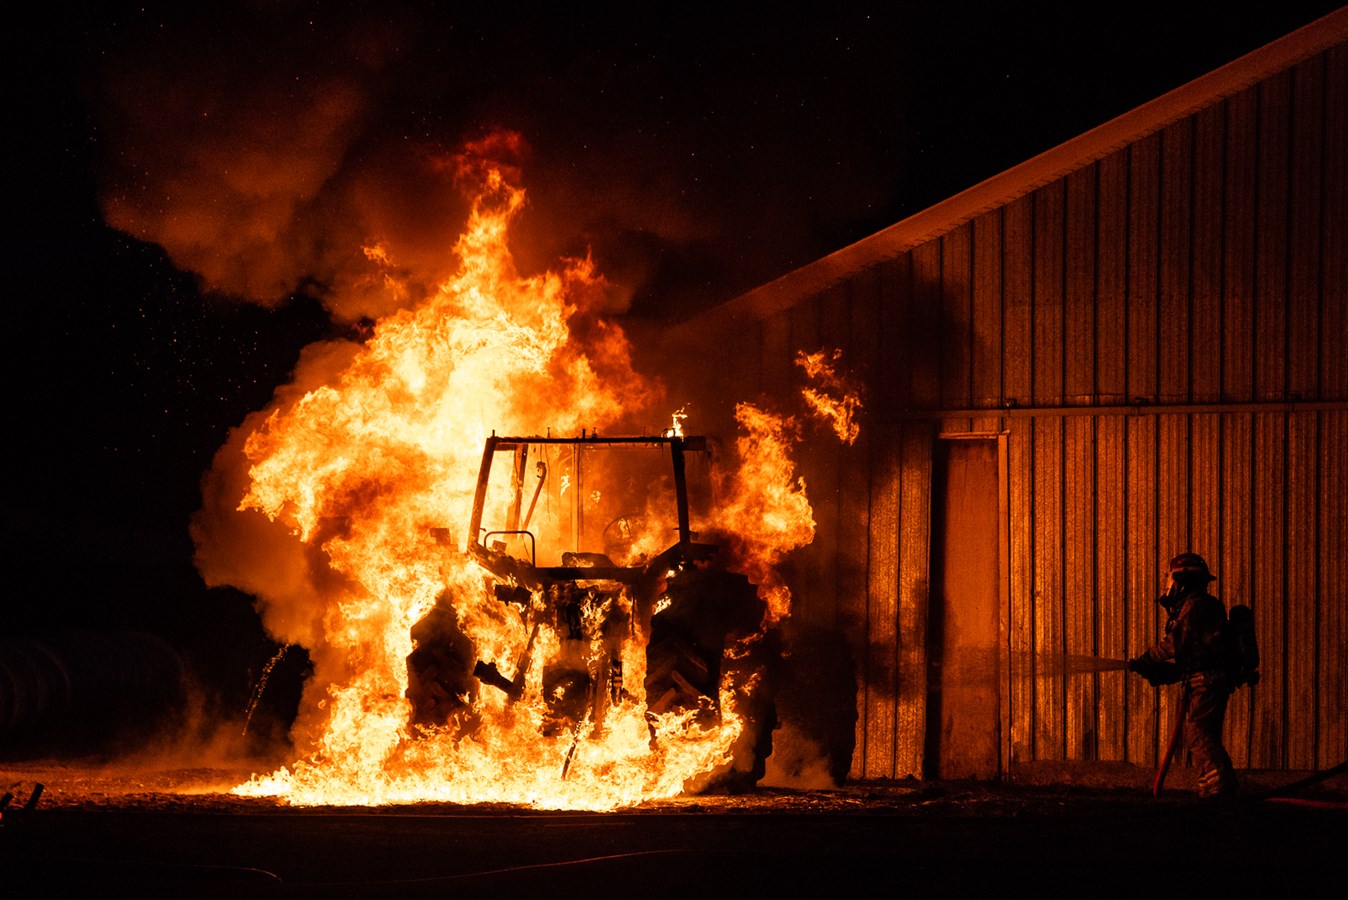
<point x="1017" y="257"/>
<point x="825" y="490"/>
<point x="1303" y="295"/>
<point x="924" y="325"/>
<point x="957" y="321"/>
<point x="1270" y="310"/>
<point x="1047" y="375"/>
<point x="1079" y="289"/>
<point x="863" y="353"/>
<point x="1334" y="259"/>
<point x="1237" y="556"/>
<point x="864" y="497"/>
<point x="853" y="561"/>
<point x="1302" y="589"/>
<point x="1049" y="644"/>
<point x="814" y="582"/>
<point x="1111" y="583"/>
<point x="1205" y="359"/>
<point x="1143" y="225"/>
<point x="1172" y="525"/>
<point x="1111" y="279"/>
<point x="1268" y="594"/>
<point x="1174" y="347"/>
<point x="1004" y="561"/>
<point x="1205" y="488"/>
<point x="1143" y="586"/>
<point x="914" y="589"/>
<point x="1238" y="247"/>
<point x="1079" y="589"/>
<point x="880" y="661"/>
<point x="1204" y="493"/>
<point x="1270" y="711"/>
<point x="1332" y="630"/>
<point x="986" y="327"/>
<point x="891" y="366"/>
<point x="1020" y="448"/>
<point x="853" y="536"/>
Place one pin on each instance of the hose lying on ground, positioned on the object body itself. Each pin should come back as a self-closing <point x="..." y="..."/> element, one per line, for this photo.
<point x="1284" y="794"/>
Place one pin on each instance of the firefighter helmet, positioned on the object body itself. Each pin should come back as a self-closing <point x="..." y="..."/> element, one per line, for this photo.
<point x="1190" y="565"/>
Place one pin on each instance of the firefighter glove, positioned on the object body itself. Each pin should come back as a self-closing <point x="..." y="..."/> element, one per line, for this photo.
<point x="1156" y="673"/>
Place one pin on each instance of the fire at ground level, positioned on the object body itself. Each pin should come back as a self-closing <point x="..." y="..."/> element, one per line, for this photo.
<point x="173" y="833"/>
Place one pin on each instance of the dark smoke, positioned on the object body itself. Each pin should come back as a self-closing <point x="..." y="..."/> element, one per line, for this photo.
<point x="266" y="147"/>
<point x="240" y="145"/>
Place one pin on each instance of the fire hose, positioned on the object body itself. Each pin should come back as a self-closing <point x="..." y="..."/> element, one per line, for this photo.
<point x="1284" y="794"/>
<point x="1171" y="747"/>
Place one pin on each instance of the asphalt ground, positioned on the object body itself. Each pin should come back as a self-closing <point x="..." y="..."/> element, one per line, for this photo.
<point x="180" y="834"/>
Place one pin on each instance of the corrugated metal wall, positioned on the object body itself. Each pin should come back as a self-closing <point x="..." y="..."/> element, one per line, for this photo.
<point x="1161" y="340"/>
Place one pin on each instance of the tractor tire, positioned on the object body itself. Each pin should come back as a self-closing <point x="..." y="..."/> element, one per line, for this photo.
<point x="440" y="680"/>
<point x="711" y="633"/>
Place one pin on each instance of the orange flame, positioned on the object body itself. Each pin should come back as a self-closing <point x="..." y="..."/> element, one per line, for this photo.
<point x="374" y="474"/>
<point x="765" y="512"/>
<point x="836" y="400"/>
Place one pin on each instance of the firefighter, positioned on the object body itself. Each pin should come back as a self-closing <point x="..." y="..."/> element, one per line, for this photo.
<point x="1197" y="651"/>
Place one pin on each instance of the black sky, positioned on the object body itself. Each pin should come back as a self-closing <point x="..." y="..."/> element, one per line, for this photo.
<point x="698" y="153"/>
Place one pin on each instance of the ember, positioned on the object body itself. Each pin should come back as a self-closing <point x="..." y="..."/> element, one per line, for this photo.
<point x="553" y="664"/>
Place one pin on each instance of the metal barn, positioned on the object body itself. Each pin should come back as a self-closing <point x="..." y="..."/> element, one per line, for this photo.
<point x="1131" y="345"/>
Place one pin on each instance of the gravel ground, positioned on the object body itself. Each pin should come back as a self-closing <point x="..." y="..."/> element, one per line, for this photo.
<point x="151" y="786"/>
<point x="151" y="831"/>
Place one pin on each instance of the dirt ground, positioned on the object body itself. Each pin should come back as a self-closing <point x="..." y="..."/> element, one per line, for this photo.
<point x="160" y="832"/>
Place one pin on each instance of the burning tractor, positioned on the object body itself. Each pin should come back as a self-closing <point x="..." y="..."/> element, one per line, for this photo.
<point x="593" y="543"/>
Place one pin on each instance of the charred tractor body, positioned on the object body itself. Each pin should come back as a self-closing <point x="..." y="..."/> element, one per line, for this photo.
<point x="593" y="543"/>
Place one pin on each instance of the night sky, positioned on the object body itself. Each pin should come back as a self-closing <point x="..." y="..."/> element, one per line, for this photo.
<point x="697" y="155"/>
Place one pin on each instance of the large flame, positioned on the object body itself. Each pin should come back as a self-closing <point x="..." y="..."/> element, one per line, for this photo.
<point x="374" y="473"/>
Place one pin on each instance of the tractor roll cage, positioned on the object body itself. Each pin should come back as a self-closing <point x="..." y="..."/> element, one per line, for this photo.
<point x="678" y="446"/>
